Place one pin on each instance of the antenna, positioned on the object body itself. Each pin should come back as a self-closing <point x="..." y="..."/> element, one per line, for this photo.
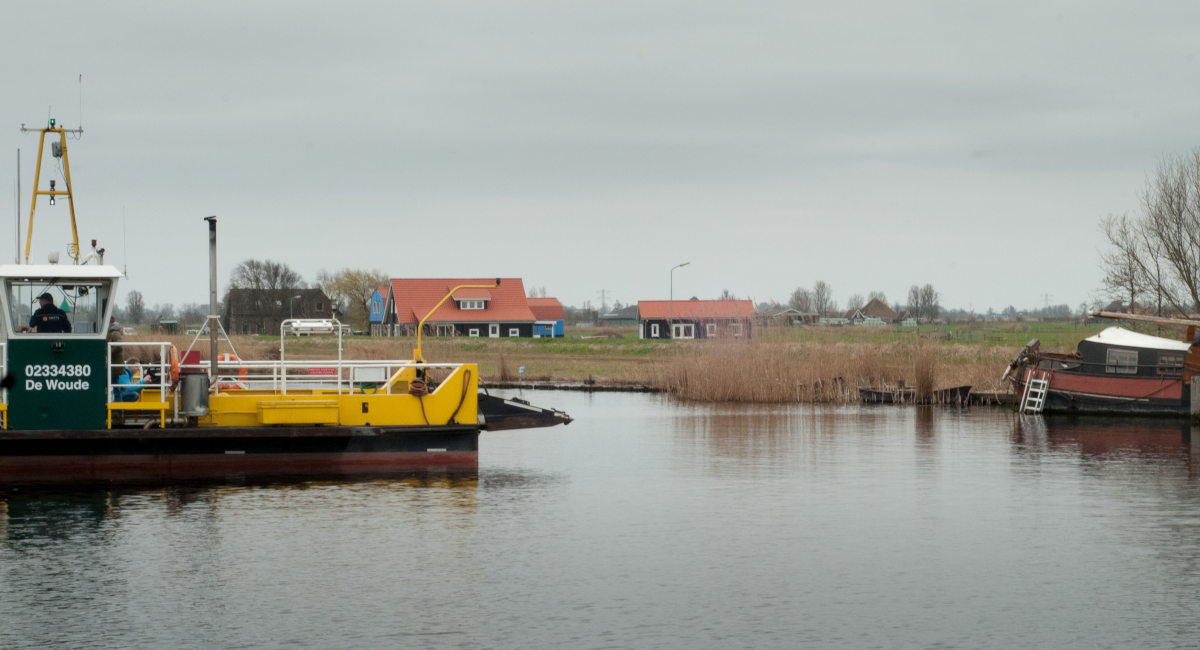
<point x="17" y="241"/>
<point x="124" y="244"/>
<point x="81" y="100"/>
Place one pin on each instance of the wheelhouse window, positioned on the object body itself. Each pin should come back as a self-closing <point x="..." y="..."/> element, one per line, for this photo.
<point x="1170" y="363"/>
<point x="1122" y="362"/>
<point x="59" y="306"/>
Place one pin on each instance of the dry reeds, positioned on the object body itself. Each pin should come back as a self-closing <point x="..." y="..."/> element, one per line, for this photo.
<point x="752" y="371"/>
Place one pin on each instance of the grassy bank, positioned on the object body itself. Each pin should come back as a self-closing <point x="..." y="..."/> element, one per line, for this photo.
<point x="814" y="364"/>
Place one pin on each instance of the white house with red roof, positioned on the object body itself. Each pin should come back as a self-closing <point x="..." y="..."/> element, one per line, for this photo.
<point x="695" y="319"/>
<point x="491" y="307"/>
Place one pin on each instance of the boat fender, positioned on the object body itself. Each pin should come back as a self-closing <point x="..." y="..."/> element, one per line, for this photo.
<point x="174" y="364"/>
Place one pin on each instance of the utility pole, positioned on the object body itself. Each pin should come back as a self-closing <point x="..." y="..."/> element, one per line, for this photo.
<point x="603" y="301"/>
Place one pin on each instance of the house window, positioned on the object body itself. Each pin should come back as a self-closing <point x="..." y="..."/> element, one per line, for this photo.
<point x="472" y="304"/>
<point x="513" y="331"/>
<point x="1122" y="362"/>
<point x="710" y="329"/>
<point x="1170" y="363"/>
<point x="494" y="330"/>
<point x="654" y="331"/>
<point x="735" y="328"/>
<point x="375" y="308"/>
<point x="445" y="330"/>
<point x="474" y="331"/>
<point x="683" y="331"/>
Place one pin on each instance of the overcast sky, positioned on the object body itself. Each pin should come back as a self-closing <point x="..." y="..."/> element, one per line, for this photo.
<point x="590" y="147"/>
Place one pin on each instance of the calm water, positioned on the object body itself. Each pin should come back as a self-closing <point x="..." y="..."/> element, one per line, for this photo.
<point x="643" y="525"/>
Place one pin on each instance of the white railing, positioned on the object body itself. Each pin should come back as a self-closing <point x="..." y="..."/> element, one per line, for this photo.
<point x="333" y="376"/>
<point x="161" y="367"/>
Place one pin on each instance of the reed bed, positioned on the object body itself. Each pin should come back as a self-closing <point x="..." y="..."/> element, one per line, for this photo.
<point x="824" y="372"/>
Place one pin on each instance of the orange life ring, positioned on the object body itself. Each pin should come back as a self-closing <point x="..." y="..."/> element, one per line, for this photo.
<point x="174" y="364"/>
<point x="229" y="357"/>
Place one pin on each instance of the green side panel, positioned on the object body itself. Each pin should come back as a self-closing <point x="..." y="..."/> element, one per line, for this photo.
<point x="59" y="383"/>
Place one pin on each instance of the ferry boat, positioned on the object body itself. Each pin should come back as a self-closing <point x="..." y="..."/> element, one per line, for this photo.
<point x="68" y="417"/>
<point x="1115" y="371"/>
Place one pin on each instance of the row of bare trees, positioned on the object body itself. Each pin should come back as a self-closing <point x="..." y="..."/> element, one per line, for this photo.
<point x="1154" y="256"/>
<point x="923" y="302"/>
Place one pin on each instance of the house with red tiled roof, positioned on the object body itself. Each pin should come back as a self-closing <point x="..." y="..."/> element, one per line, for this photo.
<point x="549" y="314"/>
<point x="695" y="319"/>
<point x="493" y="307"/>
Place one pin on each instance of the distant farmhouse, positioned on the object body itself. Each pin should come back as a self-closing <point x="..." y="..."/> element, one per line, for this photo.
<point x="877" y="314"/>
<point x="499" y="312"/>
<point x="624" y="316"/>
<point x="261" y="311"/>
<point x="695" y="319"/>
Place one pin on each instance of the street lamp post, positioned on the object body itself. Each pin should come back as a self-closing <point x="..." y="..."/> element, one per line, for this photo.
<point x="292" y="306"/>
<point x="671" y="302"/>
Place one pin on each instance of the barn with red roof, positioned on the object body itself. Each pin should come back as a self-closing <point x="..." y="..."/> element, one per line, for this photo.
<point x="492" y="307"/>
<point x="695" y="319"/>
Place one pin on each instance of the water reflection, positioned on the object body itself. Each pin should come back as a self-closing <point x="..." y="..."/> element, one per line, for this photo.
<point x="1159" y="441"/>
<point x="649" y="524"/>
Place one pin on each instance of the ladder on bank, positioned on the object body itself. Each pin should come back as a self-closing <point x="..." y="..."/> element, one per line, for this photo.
<point x="1033" y="400"/>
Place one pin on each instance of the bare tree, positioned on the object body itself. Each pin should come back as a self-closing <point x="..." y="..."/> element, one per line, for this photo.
<point x="929" y="302"/>
<point x="1158" y="252"/>
<point x="801" y="300"/>
<point x="265" y="274"/>
<point x="877" y="295"/>
<point x="727" y="295"/>
<point x="1123" y="272"/>
<point x="823" y="299"/>
<point x="855" y="301"/>
<point x="914" y="302"/>
<point x="136" y="311"/>
<point x="351" y="290"/>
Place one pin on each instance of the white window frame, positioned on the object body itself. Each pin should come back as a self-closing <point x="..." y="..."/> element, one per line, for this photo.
<point x="653" y="330"/>
<point x="494" y="330"/>
<point x="736" y="329"/>
<point x="474" y="331"/>
<point x="472" y="305"/>
<point x="683" y="331"/>
<point x="444" y="329"/>
<point x="710" y="330"/>
<point x="514" y="331"/>
<point x="1118" y="362"/>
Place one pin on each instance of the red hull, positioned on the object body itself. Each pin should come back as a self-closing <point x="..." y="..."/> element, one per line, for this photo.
<point x="1108" y="393"/>
<point x="32" y="470"/>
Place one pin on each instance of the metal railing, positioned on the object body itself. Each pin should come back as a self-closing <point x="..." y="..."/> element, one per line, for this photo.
<point x="339" y="377"/>
<point x="162" y="367"/>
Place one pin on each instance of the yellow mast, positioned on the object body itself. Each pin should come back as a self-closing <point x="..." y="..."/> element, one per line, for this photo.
<point x="53" y="192"/>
